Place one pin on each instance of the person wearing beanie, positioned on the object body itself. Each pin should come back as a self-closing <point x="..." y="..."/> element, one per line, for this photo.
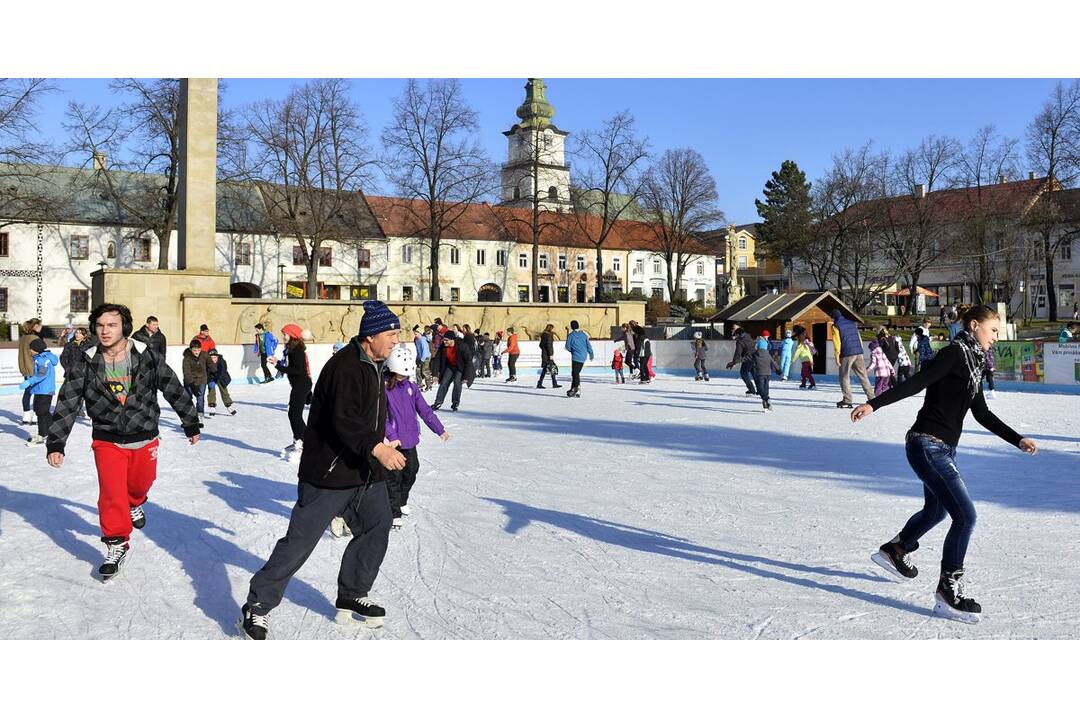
<point x="455" y="358"/>
<point x="344" y="463"/>
<point x="579" y="347"/>
<point x="42" y="387"/>
<point x="218" y="378"/>
<point x="699" y="349"/>
<point x="512" y="352"/>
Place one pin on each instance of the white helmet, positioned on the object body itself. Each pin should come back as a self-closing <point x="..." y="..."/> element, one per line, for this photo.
<point x="697" y="335"/>
<point x="402" y="360"/>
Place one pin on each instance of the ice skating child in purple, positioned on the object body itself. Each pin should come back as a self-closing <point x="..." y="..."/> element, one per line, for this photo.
<point x="880" y="367"/>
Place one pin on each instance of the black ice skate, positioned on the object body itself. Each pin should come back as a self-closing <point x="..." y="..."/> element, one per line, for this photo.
<point x="951" y="603"/>
<point x="138" y="517"/>
<point x="706" y="377"/>
<point x="895" y="560"/>
<point x="253" y="626"/>
<point x="843" y="404"/>
<point x="359" y="610"/>
<point x="115" y="556"/>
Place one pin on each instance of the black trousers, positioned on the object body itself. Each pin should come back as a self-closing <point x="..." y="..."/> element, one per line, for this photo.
<point x="547" y="366"/>
<point x="43" y="403"/>
<point x="297" y="399"/>
<point x="366" y="511"/>
<point x="450" y="376"/>
<point x="265" y="367"/>
<point x="512" y="364"/>
<point x="401" y="481"/>
<point x="575" y="374"/>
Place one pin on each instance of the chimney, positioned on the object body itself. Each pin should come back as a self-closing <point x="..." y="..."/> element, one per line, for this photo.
<point x="920" y="190"/>
<point x="1031" y="175"/>
<point x="100" y="161"/>
<point x="1002" y="178"/>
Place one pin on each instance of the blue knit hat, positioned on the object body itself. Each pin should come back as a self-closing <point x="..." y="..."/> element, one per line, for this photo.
<point x="377" y="318"/>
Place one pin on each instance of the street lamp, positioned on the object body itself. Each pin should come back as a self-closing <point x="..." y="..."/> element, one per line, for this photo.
<point x="281" y="280"/>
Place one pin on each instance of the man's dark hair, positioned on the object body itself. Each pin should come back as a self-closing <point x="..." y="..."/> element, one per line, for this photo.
<point x="258" y="326"/>
<point x="150" y="319"/>
<point x="194" y="344"/>
<point x="203" y="327"/>
<point x="125" y="317"/>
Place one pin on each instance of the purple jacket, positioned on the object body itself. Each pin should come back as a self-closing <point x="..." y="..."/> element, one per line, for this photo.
<point x="403" y="403"/>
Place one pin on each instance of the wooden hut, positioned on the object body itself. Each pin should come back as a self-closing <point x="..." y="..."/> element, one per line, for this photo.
<point x="780" y="312"/>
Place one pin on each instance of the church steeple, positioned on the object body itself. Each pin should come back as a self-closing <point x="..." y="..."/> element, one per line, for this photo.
<point x="536" y="111"/>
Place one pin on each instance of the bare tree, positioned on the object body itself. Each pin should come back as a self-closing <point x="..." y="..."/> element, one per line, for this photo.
<point x="433" y="156"/>
<point x="679" y="199"/>
<point x="308" y="156"/>
<point x="26" y="188"/>
<point x="1053" y="146"/>
<point x="611" y="182"/>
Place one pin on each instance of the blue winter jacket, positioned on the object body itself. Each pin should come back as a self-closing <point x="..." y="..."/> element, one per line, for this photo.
<point x="43" y="381"/>
<point x="577" y="342"/>
<point x="850" y="342"/>
<point x="423" y="349"/>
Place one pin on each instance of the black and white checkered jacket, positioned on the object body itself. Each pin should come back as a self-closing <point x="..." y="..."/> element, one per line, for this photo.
<point x="134" y="421"/>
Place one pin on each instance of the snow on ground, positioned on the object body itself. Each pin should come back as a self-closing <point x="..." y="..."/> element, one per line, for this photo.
<point x="675" y="510"/>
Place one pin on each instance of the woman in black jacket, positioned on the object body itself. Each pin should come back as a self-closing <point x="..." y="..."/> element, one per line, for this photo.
<point x="296" y="369"/>
<point x="953" y="383"/>
<point x="547" y="353"/>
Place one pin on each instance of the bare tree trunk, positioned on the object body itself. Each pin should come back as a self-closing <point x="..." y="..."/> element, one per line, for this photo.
<point x="1051" y="294"/>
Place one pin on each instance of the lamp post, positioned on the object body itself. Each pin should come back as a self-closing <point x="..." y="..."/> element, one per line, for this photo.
<point x="281" y="280"/>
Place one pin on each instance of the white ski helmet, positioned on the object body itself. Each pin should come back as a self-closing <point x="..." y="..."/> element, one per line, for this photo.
<point x="402" y="360"/>
<point x="697" y="335"/>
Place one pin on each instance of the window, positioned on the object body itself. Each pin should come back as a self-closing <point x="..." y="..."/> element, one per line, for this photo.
<point x="742" y="243"/>
<point x="656" y="270"/>
<point x="742" y="262"/>
<point x="701" y="268"/>
<point x="110" y="251"/>
<point x="80" y="301"/>
<point x="547" y="141"/>
<point x="562" y="294"/>
<point x="3" y="298"/>
<point x="406" y="254"/>
<point x="79" y="247"/>
<point x="562" y="262"/>
<point x="406" y="293"/>
<point x="553" y="193"/>
<point x="500" y="258"/>
<point x="700" y="295"/>
<point x="4" y="245"/>
<point x="581" y="292"/>
<point x="363" y="258"/>
<point x="297" y="255"/>
<point x="523" y="261"/>
<point x="481" y="257"/>
<point x="455" y="294"/>
<point x="142" y="250"/>
<point x="616" y="264"/>
<point x="639" y="267"/>
<point x="658" y="292"/>
<point x="455" y="256"/>
<point x="1066" y="251"/>
<point x="517" y="192"/>
<point x="242" y="254"/>
<point x="523" y="293"/>
<point x="544" y="294"/>
<point x="543" y="261"/>
<point x="580" y="262"/>
<point x="326" y="256"/>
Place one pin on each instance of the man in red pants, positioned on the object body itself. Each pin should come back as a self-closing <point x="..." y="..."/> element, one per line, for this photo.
<point x="119" y="379"/>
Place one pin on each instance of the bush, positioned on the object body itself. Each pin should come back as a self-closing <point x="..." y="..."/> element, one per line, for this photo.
<point x="656" y="307"/>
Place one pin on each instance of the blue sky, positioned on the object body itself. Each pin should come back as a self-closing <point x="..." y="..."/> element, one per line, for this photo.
<point x="743" y="127"/>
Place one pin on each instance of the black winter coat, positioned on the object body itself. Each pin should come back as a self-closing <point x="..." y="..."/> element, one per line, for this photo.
<point x="347" y="420"/>
<point x="744" y="348"/>
<point x="218" y="372"/>
<point x="155" y="342"/>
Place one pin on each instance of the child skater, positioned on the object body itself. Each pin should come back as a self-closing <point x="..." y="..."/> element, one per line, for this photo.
<point x="404" y="402"/>
<point x="700" y="349"/>
<point x="617" y="366"/>
<point x="804" y="354"/>
<point x="880" y="367"/>
<point x="903" y="364"/>
<point x="764" y="365"/>
<point x="42" y="386"/>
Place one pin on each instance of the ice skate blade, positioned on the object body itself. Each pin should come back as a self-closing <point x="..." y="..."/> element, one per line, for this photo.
<point x="944" y="610"/>
<point x="243" y="633"/>
<point x="887" y="566"/>
<point x="348" y="617"/>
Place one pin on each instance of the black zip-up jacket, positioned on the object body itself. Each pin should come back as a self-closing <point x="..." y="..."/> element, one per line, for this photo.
<point x="155" y="342"/>
<point x="134" y="421"/>
<point x="744" y="348"/>
<point x="296" y="369"/>
<point x="347" y="420"/>
<point x="547" y="347"/>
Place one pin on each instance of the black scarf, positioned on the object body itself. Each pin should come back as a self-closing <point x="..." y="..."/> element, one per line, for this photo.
<point x="974" y="359"/>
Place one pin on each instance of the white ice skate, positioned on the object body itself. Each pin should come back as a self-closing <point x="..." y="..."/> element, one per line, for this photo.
<point x="35" y="440"/>
<point x="397" y="523"/>
<point x="405" y="510"/>
<point x="292" y="453"/>
<point x="339" y="528"/>
<point x="28" y="417"/>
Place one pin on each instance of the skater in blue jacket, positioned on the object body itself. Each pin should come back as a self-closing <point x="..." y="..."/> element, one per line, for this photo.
<point x="577" y="342"/>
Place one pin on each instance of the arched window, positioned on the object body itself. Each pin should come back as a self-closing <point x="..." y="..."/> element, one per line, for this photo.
<point x="553" y="193"/>
<point x="517" y="192"/>
<point x="110" y="250"/>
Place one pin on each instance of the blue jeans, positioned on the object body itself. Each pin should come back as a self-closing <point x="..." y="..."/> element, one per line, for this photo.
<point x="197" y="394"/>
<point x="933" y="461"/>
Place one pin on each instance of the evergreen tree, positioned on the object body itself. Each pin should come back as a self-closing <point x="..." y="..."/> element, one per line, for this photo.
<point x="785" y="230"/>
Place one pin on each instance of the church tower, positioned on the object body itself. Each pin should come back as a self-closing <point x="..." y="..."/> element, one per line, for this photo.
<point x="536" y="156"/>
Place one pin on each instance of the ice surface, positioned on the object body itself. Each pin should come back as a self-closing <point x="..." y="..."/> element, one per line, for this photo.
<point x="674" y="510"/>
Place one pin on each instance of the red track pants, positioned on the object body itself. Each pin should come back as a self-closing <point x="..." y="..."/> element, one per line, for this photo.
<point x="124" y="479"/>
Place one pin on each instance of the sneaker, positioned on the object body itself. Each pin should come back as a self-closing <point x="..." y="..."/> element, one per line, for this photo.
<point x="138" y="517"/>
<point x="405" y="510"/>
<point x="28" y="417"/>
<point x="843" y="404"/>
<point x="340" y="528"/>
<point x="254" y="626"/>
<point x="114" y="559"/>
<point x="35" y="440"/>
<point x="895" y="560"/>
<point x="951" y="601"/>
<point x="359" y="610"/>
<point x="396" y="523"/>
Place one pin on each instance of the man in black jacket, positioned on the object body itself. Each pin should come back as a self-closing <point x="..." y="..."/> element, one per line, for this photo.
<point x="743" y="357"/>
<point x="119" y="379"/>
<point x="455" y="359"/>
<point x="150" y="335"/>
<point x="342" y="474"/>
